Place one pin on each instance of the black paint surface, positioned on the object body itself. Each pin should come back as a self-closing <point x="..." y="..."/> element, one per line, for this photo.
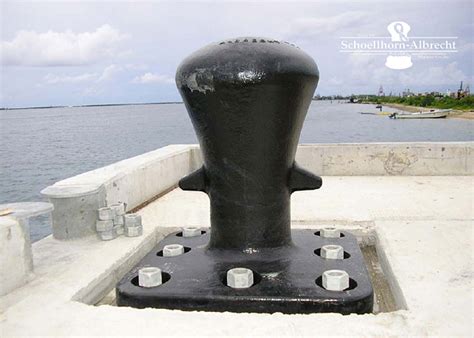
<point x="287" y="278"/>
<point x="247" y="99"/>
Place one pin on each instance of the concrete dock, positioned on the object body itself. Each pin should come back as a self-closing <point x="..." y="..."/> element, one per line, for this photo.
<point x="413" y="202"/>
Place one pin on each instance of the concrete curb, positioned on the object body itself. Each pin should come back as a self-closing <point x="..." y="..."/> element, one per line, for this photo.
<point x="141" y="178"/>
<point x="132" y="181"/>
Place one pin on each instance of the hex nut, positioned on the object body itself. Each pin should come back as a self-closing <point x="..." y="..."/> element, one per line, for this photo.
<point x="133" y="231"/>
<point x="332" y="252"/>
<point x="240" y="278"/>
<point x="105" y="214"/>
<point x="104" y="225"/>
<point x="335" y="280"/>
<point x="330" y="232"/>
<point x="107" y="235"/>
<point x="172" y="250"/>
<point x="118" y="220"/>
<point x="132" y="220"/>
<point x="118" y="208"/>
<point x="191" y="232"/>
<point x="119" y="230"/>
<point x="149" y="277"/>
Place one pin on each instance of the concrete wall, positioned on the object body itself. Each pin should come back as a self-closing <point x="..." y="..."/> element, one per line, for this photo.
<point x="133" y="181"/>
<point x="382" y="159"/>
<point x="141" y="178"/>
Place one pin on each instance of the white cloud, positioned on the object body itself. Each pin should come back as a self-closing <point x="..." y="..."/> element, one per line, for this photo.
<point x="109" y="72"/>
<point x="437" y="75"/>
<point x="55" y="79"/>
<point x="30" y="48"/>
<point x="370" y="69"/>
<point x="312" y="26"/>
<point x="153" y="78"/>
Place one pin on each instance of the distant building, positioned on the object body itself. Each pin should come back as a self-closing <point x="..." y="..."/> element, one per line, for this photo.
<point x="467" y="91"/>
<point x="407" y="93"/>
<point x="381" y="92"/>
<point x="463" y="92"/>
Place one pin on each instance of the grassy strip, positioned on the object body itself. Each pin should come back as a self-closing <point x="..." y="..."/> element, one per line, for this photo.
<point x="428" y="101"/>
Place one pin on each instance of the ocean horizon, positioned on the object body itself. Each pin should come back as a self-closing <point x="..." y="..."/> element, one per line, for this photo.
<point x="41" y="147"/>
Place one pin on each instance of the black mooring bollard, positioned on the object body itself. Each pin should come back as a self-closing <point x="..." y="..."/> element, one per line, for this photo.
<point x="247" y="99"/>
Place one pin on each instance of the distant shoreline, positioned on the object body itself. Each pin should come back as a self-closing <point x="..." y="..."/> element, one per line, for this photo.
<point x="92" y="105"/>
<point x="459" y="114"/>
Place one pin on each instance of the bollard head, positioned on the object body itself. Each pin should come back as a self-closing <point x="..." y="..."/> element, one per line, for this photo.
<point x="149" y="277"/>
<point x="335" y="280"/>
<point x="240" y="278"/>
<point x="332" y="252"/>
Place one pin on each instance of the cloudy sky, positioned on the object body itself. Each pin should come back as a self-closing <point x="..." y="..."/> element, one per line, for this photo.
<point x="90" y="52"/>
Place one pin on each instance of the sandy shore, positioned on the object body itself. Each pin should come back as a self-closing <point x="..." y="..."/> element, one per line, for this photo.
<point x="458" y="114"/>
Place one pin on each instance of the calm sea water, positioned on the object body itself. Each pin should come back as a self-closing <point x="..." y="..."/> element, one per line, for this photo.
<point x="42" y="146"/>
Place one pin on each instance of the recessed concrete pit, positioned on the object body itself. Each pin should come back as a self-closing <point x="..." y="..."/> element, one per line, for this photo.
<point x="380" y="275"/>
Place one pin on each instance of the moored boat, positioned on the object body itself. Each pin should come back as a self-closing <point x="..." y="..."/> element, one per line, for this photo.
<point x="432" y="114"/>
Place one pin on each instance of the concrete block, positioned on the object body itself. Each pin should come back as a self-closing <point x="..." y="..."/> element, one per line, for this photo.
<point x="16" y="261"/>
<point x="16" y="258"/>
<point x="75" y="209"/>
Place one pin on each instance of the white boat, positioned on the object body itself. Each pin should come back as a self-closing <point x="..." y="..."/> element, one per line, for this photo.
<point x="432" y="114"/>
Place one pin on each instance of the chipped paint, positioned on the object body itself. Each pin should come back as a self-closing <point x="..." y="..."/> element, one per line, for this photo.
<point x="201" y="80"/>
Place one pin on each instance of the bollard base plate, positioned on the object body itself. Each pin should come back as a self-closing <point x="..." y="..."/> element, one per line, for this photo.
<point x="286" y="279"/>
